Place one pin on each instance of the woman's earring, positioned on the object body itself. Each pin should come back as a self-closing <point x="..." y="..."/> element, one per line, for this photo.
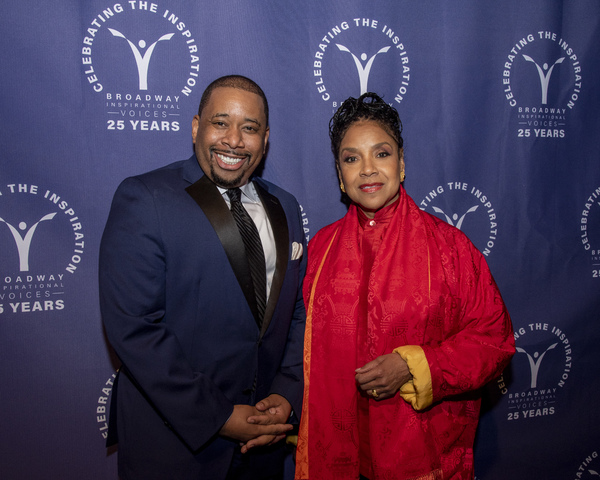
<point x="402" y="176"/>
<point x="342" y="187"/>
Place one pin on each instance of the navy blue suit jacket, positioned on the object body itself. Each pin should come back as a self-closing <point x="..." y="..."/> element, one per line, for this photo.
<point x="173" y="299"/>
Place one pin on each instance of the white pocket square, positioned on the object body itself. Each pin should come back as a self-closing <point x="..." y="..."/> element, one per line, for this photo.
<point x="296" y="250"/>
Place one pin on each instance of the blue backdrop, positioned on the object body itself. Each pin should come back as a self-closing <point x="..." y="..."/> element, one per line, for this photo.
<point x="499" y="102"/>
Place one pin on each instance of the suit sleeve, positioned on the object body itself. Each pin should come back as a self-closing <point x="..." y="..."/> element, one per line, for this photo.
<point x="480" y="344"/>
<point x="289" y="380"/>
<point x="132" y="274"/>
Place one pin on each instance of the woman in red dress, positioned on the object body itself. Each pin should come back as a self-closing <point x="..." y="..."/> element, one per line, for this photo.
<point x="404" y="323"/>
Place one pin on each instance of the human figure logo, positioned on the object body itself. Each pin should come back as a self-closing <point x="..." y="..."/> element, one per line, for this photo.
<point x="535" y="362"/>
<point x="544" y="73"/>
<point x="363" y="72"/>
<point x="24" y="243"/>
<point x="142" y="61"/>
<point x="455" y="216"/>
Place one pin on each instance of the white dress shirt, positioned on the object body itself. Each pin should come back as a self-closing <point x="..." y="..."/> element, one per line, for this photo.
<point x="251" y="202"/>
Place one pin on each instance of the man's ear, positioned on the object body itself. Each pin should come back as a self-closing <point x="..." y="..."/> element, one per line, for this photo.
<point x="267" y="132"/>
<point x="195" y="126"/>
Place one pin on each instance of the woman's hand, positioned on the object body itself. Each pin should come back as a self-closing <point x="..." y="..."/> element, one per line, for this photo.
<point x="382" y="378"/>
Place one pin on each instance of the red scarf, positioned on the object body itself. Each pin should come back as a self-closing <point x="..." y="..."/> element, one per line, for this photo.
<point x="406" y="298"/>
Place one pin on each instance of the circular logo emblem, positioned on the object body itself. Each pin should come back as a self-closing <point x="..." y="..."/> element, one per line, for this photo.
<point x="542" y="81"/>
<point x="467" y="208"/>
<point x="142" y="62"/>
<point x="541" y="368"/>
<point x="43" y="242"/>
<point x="357" y="56"/>
<point x="590" y="230"/>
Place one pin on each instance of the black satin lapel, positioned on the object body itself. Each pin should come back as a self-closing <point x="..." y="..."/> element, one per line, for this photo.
<point x="207" y="196"/>
<point x="279" y="226"/>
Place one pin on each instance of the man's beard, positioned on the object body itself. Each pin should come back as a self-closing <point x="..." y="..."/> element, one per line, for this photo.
<point x="224" y="183"/>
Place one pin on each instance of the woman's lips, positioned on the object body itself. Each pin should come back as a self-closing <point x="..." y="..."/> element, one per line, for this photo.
<point x="371" y="187"/>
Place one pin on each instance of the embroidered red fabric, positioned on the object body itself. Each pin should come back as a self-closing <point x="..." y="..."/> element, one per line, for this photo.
<point x="428" y="286"/>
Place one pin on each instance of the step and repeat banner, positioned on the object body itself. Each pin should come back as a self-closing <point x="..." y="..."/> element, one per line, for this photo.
<point x="501" y="111"/>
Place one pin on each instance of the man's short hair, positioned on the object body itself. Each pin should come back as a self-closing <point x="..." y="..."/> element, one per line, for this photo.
<point x="234" y="81"/>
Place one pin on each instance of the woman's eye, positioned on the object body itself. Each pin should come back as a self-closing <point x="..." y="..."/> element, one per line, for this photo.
<point x="349" y="159"/>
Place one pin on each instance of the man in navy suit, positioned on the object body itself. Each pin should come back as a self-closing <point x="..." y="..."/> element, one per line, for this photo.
<point x="208" y="385"/>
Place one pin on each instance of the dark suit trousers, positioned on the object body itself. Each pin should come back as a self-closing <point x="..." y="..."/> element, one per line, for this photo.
<point x="251" y="467"/>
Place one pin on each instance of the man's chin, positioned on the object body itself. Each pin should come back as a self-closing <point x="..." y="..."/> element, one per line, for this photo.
<point x="229" y="182"/>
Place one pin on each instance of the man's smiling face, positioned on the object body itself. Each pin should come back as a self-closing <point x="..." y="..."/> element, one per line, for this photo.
<point x="230" y="136"/>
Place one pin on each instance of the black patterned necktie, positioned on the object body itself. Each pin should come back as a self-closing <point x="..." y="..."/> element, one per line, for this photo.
<point x="254" y="250"/>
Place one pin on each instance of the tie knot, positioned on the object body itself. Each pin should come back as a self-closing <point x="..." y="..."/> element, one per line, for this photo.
<point x="234" y="194"/>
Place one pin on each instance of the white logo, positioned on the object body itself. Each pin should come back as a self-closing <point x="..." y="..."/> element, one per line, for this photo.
<point x="305" y="224"/>
<point x="535" y="362"/>
<point x="544" y="74"/>
<point x="142" y="62"/>
<point x="540" y="369"/>
<point x="584" y="470"/>
<point x="363" y="71"/>
<point x="43" y="242"/>
<point x="467" y="209"/>
<point x="455" y="217"/>
<point x="357" y="56"/>
<point x="102" y="408"/>
<point x="590" y="230"/>
<point x="142" y="66"/>
<point x="24" y="243"/>
<point x="539" y="68"/>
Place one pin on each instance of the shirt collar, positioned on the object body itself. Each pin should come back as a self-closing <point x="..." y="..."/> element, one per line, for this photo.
<point x="382" y="216"/>
<point x="248" y="191"/>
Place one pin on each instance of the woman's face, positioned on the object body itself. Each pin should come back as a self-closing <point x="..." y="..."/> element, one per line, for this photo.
<point x="370" y="164"/>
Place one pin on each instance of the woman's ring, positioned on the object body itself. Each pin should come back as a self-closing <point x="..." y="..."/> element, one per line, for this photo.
<point x="374" y="393"/>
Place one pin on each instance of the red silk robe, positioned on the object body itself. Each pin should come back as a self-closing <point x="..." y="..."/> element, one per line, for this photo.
<point x="428" y="296"/>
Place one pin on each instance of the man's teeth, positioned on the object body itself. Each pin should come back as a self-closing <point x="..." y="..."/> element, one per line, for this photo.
<point x="228" y="160"/>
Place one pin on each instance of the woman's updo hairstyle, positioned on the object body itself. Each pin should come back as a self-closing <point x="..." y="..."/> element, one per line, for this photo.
<point x="369" y="106"/>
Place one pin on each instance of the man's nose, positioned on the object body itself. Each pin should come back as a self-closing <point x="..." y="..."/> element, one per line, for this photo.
<point x="233" y="138"/>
